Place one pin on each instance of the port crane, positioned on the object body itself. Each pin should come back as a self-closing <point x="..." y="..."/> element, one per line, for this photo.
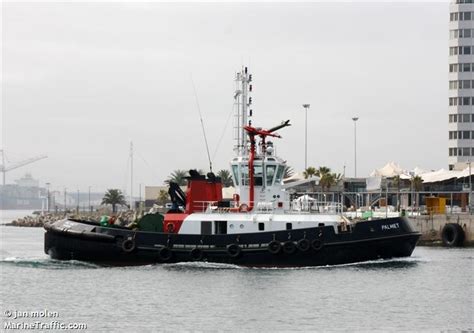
<point x="4" y="168"/>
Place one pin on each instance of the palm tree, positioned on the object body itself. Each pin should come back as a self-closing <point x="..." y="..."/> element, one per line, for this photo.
<point x="322" y="170"/>
<point x="397" y="182"/>
<point x="288" y="172"/>
<point x="163" y="197"/>
<point x="416" y="184"/>
<point x="113" y="197"/>
<point x="177" y="176"/>
<point x="226" y="178"/>
<point x="329" y="179"/>
<point x="309" y="172"/>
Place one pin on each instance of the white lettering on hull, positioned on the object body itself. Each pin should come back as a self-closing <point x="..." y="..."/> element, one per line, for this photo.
<point x="390" y="226"/>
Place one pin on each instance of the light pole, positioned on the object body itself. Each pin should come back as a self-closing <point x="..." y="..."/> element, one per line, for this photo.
<point x="306" y="107"/>
<point x="90" y="207"/>
<point x="47" y="198"/>
<point x="65" y="206"/>
<point x="77" y="201"/>
<point x="355" y="145"/>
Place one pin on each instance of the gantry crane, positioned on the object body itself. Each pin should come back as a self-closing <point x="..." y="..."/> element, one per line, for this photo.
<point x="4" y="168"/>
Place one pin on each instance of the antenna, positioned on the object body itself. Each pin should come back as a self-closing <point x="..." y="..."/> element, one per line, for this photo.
<point x="202" y="125"/>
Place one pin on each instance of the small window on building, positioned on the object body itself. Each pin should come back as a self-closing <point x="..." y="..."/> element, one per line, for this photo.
<point x="289" y="226"/>
<point x="467" y="33"/>
<point x="466" y="135"/>
<point x="466" y="152"/>
<point x="467" y="16"/>
<point x="450" y="135"/>
<point x="261" y="226"/>
<point x="465" y="100"/>
<point x="467" y="50"/>
<point x="466" y="117"/>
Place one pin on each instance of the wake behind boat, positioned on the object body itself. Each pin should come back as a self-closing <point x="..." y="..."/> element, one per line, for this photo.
<point x="260" y="226"/>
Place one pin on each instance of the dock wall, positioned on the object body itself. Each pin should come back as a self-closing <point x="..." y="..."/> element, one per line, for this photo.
<point x="431" y="226"/>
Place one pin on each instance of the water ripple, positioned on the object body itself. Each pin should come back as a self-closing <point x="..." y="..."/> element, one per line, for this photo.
<point x="46" y="263"/>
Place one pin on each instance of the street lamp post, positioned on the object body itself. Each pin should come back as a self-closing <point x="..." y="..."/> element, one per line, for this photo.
<point x="47" y="197"/>
<point x="78" y="202"/>
<point x="90" y="207"/>
<point x="306" y="107"/>
<point x="65" y="204"/>
<point x="355" y="145"/>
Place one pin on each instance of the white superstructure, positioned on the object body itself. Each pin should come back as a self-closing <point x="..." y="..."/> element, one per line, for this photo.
<point x="461" y="82"/>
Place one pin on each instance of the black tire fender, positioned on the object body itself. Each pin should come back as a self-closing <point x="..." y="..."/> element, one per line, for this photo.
<point x="196" y="254"/>
<point x="165" y="253"/>
<point x="303" y="245"/>
<point x="317" y="244"/>
<point x="452" y="235"/>
<point x="128" y="245"/>
<point x="274" y="247"/>
<point x="289" y="247"/>
<point x="234" y="250"/>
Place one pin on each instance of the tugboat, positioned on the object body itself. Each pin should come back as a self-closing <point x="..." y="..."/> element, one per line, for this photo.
<point x="259" y="226"/>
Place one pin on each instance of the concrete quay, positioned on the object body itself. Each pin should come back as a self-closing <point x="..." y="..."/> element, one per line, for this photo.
<point x="431" y="227"/>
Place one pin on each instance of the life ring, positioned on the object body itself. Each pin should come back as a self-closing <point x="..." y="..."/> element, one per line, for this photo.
<point x="233" y="250"/>
<point x="452" y="235"/>
<point x="274" y="247"/>
<point x="170" y="227"/>
<point x="316" y="244"/>
<point x="196" y="254"/>
<point x="244" y="208"/>
<point x="303" y="245"/>
<point x="128" y="245"/>
<point x="165" y="254"/>
<point x="289" y="247"/>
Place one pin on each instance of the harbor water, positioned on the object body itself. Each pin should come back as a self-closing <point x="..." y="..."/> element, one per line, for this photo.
<point x="430" y="291"/>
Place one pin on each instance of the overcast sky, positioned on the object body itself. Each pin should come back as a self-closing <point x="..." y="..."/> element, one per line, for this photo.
<point x="80" y="81"/>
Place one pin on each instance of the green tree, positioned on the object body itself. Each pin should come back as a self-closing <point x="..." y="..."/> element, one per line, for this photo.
<point x="114" y="197"/>
<point x="163" y="197"/>
<point x="288" y="172"/>
<point x="309" y="172"/>
<point x="177" y="176"/>
<point x="396" y="181"/>
<point x="226" y="177"/>
<point x="322" y="170"/>
<point x="416" y="183"/>
<point x="327" y="178"/>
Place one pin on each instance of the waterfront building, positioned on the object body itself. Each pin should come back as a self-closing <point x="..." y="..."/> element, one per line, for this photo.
<point x="461" y="84"/>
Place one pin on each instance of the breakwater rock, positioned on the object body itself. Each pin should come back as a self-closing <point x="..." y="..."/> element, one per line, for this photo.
<point x="41" y="219"/>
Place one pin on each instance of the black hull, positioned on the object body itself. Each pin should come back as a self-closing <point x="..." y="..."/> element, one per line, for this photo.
<point x="78" y="240"/>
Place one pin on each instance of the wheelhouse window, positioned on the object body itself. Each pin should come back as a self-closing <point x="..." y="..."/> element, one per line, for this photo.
<point x="235" y="171"/>
<point x="270" y="174"/>
<point x="244" y="174"/>
<point x="261" y="226"/>
<point x="279" y="174"/>
<point x="258" y="175"/>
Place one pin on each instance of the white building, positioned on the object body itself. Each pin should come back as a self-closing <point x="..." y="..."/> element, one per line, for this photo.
<point x="461" y="82"/>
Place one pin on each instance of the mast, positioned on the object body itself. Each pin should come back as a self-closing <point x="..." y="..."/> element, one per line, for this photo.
<point x="242" y="101"/>
<point x="131" y="175"/>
